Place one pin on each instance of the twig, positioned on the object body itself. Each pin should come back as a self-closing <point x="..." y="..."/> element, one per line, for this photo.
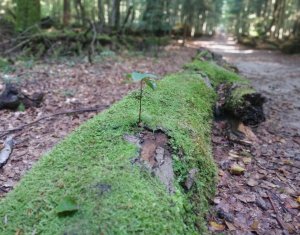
<point x="17" y="46"/>
<point x="281" y="223"/>
<point x="52" y="115"/>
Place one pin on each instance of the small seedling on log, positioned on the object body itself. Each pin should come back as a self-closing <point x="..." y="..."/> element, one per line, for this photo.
<point x="142" y="78"/>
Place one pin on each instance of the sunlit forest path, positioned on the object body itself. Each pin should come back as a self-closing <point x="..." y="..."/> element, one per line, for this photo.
<point x="262" y="200"/>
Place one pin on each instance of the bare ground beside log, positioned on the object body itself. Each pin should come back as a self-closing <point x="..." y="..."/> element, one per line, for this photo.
<point x="263" y="198"/>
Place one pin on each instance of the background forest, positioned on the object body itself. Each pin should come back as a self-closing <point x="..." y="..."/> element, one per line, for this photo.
<point x="92" y="23"/>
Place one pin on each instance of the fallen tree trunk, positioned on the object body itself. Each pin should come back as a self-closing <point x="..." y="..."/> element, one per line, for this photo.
<point x="236" y="96"/>
<point x="98" y="166"/>
<point x="12" y="98"/>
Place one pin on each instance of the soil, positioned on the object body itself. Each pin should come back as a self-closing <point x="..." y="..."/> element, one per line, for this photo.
<point x="71" y="85"/>
<point x="264" y="199"/>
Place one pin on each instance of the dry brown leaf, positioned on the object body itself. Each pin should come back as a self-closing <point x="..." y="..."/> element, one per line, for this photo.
<point x="247" y="132"/>
<point x="247" y="160"/>
<point x="255" y="225"/>
<point x="230" y="226"/>
<point x="251" y="182"/>
<point x="233" y="155"/>
<point x="298" y="199"/>
<point x="216" y="227"/>
<point x="246" y="197"/>
<point x="237" y="170"/>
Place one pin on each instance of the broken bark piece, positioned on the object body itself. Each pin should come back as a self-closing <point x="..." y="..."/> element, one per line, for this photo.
<point x="191" y="178"/>
<point x="11" y="98"/>
<point x="6" y="150"/>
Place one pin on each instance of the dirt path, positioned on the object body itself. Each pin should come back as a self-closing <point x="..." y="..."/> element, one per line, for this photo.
<point x="264" y="199"/>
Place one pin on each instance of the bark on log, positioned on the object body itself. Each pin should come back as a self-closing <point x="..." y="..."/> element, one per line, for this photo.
<point x="238" y="100"/>
<point x="12" y="98"/>
<point x="242" y="102"/>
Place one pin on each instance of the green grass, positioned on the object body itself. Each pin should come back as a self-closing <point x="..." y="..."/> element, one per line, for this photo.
<point x="96" y="156"/>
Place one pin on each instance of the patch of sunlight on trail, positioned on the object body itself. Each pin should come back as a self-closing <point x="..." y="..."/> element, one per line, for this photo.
<point x="228" y="46"/>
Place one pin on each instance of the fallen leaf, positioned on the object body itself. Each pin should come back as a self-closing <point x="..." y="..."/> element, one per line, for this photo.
<point x="230" y="226"/>
<point x="247" y="160"/>
<point x="292" y="204"/>
<point x="216" y="227"/>
<point x="246" y="197"/>
<point x="252" y="182"/>
<point x="255" y="225"/>
<point x="67" y="206"/>
<point x="217" y="200"/>
<point x="247" y="132"/>
<point x="298" y="199"/>
<point x="233" y="154"/>
<point x="237" y="170"/>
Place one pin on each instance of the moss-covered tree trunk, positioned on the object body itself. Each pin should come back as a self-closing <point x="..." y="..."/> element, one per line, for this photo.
<point x="28" y="13"/>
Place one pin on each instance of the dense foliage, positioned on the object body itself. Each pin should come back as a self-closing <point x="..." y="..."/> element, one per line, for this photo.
<point x="275" y="21"/>
<point x="157" y="16"/>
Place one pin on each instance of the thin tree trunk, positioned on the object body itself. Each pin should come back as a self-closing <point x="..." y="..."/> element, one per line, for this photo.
<point x="101" y="16"/>
<point x="115" y="14"/>
<point x="67" y="12"/>
<point x="80" y="11"/>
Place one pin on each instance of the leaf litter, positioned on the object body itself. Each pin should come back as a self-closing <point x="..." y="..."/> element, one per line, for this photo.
<point x="265" y="198"/>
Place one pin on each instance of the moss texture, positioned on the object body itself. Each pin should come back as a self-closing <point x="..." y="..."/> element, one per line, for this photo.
<point x="93" y="165"/>
<point x="237" y="95"/>
<point x="216" y="73"/>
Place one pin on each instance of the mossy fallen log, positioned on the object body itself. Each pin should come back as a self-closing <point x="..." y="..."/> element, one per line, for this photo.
<point x="101" y="176"/>
<point x="237" y="97"/>
<point x="95" y="166"/>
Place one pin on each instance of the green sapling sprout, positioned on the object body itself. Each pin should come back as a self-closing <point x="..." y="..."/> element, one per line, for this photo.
<point x="142" y="78"/>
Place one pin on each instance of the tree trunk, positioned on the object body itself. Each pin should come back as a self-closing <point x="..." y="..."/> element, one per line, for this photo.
<point x="154" y="16"/>
<point x="115" y="14"/>
<point x="101" y="16"/>
<point x="80" y="11"/>
<point x="28" y="13"/>
<point x="67" y="12"/>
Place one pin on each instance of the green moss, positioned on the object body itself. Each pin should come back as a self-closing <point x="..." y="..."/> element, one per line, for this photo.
<point x="216" y="73"/>
<point x="93" y="165"/>
<point x="236" y="98"/>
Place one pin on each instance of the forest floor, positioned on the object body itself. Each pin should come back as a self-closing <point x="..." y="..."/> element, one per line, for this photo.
<point x="71" y="85"/>
<point x="261" y="201"/>
<point x="265" y="200"/>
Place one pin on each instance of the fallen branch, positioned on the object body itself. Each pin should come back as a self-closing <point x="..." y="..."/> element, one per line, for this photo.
<point x="51" y="116"/>
<point x="279" y="220"/>
<point x="6" y="151"/>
